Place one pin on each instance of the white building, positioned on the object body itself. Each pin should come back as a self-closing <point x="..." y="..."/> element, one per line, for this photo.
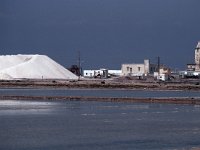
<point x="105" y="73"/>
<point x="138" y="69"/>
<point x="163" y="74"/>
<point x="190" y="74"/>
<point x="197" y="57"/>
<point x="196" y="65"/>
<point x="114" y="72"/>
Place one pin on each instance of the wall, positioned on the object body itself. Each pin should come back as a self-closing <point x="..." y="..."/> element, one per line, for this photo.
<point x="101" y="72"/>
<point x="138" y="69"/>
<point x="146" y="66"/>
<point x="132" y="69"/>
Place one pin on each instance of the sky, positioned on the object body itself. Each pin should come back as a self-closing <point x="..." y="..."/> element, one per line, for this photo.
<point x="107" y="33"/>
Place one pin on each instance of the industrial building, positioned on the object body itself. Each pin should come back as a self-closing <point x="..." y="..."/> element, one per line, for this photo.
<point x="101" y="73"/>
<point x="197" y="57"/>
<point x="196" y="65"/>
<point x="135" y="70"/>
<point x="163" y="74"/>
<point x="193" y="70"/>
<point x="142" y="69"/>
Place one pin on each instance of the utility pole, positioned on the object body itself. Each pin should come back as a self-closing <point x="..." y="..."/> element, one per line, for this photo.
<point x="79" y="63"/>
<point x="158" y="65"/>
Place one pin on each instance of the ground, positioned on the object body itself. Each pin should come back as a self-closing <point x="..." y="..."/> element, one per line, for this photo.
<point x="116" y="83"/>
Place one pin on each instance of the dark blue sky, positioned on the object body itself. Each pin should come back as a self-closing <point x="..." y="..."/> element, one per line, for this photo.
<point x="106" y="32"/>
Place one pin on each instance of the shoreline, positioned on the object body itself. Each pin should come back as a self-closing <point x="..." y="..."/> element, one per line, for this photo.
<point x="162" y="100"/>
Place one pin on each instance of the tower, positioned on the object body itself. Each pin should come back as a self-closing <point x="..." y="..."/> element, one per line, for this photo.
<point x="197" y="57"/>
<point x="146" y="66"/>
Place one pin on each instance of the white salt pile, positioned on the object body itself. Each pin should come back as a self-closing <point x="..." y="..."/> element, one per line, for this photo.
<point x="32" y="67"/>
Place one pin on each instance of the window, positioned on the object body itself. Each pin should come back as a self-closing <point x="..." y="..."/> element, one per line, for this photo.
<point x="127" y="68"/>
<point x="138" y="68"/>
<point x="131" y="70"/>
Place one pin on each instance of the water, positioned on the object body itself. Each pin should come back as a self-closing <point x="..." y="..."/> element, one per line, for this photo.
<point x="97" y="92"/>
<point x="69" y="125"/>
<point x="60" y="125"/>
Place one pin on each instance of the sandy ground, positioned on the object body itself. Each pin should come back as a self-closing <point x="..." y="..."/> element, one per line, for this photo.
<point x="102" y="83"/>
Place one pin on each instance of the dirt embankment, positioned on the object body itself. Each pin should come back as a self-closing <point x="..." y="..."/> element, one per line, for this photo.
<point x="100" y="84"/>
<point x="192" y="101"/>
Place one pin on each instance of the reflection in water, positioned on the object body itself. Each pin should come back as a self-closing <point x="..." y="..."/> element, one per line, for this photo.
<point x="12" y="107"/>
<point x="73" y="106"/>
<point x="82" y="125"/>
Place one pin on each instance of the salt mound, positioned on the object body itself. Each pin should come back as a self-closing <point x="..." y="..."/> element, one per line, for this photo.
<point x="4" y="76"/>
<point x="32" y="67"/>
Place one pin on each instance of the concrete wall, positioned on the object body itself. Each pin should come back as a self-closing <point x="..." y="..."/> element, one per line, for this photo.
<point x="101" y="72"/>
<point x="89" y="73"/>
<point x="115" y="72"/>
<point x="146" y="66"/>
<point x="138" y="69"/>
<point x="132" y="69"/>
<point x="165" y="71"/>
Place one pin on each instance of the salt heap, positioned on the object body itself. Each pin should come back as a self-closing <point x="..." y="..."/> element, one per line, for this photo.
<point x="32" y="67"/>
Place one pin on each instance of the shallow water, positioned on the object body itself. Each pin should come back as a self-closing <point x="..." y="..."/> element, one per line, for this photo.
<point x="79" y="125"/>
<point x="98" y="92"/>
